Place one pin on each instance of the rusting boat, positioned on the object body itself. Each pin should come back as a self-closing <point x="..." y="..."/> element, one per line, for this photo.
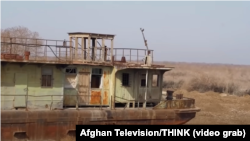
<point x="49" y="86"/>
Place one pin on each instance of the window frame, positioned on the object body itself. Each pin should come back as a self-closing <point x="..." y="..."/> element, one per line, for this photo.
<point x="157" y="80"/>
<point x="128" y="81"/>
<point x="51" y="80"/>
<point x="142" y="79"/>
<point x="71" y="73"/>
<point x="96" y="74"/>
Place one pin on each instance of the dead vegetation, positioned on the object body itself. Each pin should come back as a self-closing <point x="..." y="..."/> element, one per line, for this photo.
<point x="221" y="91"/>
<point x="23" y="35"/>
<point x="230" y="79"/>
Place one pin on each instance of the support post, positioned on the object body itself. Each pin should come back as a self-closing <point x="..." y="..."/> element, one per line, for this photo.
<point x="88" y="54"/>
<point x="93" y="49"/>
<point x="146" y="87"/>
<point x="111" y="51"/>
<point x="76" y="47"/>
<point x="85" y="49"/>
<point x="70" y="45"/>
<point x="10" y="45"/>
<point x="82" y="48"/>
<point x="103" y="49"/>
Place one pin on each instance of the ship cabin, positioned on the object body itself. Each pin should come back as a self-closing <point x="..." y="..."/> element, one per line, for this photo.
<point x="85" y="71"/>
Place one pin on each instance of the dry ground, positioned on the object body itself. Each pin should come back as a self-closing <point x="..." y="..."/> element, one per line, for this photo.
<point x="208" y="84"/>
<point x="220" y="109"/>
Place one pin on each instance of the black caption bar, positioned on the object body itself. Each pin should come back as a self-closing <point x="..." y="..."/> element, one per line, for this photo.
<point x="191" y="131"/>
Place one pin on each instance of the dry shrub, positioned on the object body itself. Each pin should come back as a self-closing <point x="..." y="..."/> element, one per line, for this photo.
<point x="21" y="35"/>
<point x="248" y="91"/>
<point x="173" y="84"/>
<point x="231" y="79"/>
<point x="206" y="83"/>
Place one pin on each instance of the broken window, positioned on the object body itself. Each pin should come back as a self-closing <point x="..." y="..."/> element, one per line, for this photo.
<point x="155" y="80"/>
<point x="47" y="77"/>
<point x="96" y="78"/>
<point x="70" y="70"/>
<point x="125" y="79"/>
<point x="70" y="78"/>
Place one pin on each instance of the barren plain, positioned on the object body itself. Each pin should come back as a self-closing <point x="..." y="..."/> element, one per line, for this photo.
<point x="221" y="91"/>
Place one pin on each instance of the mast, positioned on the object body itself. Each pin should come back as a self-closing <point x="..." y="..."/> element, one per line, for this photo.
<point x="146" y="89"/>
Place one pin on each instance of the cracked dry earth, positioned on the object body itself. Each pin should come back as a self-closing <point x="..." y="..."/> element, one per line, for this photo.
<point x="219" y="108"/>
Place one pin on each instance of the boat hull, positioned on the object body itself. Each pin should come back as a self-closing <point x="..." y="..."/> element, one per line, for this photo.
<point x="59" y="124"/>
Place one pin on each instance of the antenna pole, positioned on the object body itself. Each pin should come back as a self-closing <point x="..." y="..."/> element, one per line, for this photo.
<point x="145" y="41"/>
<point x="146" y="87"/>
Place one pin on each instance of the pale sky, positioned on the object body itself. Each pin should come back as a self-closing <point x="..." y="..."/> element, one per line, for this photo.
<point x="209" y="32"/>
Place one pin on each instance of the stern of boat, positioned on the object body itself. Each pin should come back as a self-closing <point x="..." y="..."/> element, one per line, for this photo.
<point x="183" y="107"/>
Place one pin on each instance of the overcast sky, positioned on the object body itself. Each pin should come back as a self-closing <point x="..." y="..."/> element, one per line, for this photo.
<point x="210" y="32"/>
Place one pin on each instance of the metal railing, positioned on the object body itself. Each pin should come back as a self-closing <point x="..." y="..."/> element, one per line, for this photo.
<point x="94" y="54"/>
<point x="131" y="54"/>
<point x="176" y="102"/>
<point x="43" y="50"/>
<point x="62" y="51"/>
<point x="54" y="98"/>
<point x="161" y="104"/>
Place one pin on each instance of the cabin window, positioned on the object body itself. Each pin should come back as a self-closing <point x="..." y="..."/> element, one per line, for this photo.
<point x="143" y="80"/>
<point x="70" y="78"/>
<point x="155" y="80"/>
<point x="125" y="79"/>
<point x="47" y="77"/>
<point x="96" y="78"/>
<point x="70" y="70"/>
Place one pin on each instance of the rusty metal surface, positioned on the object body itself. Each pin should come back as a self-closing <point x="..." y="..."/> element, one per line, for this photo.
<point x="106" y="86"/>
<point x="95" y="97"/>
<point x="184" y="103"/>
<point x="55" y="125"/>
<point x="105" y="100"/>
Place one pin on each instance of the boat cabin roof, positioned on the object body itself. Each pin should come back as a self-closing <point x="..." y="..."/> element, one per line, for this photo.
<point x="91" y="35"/>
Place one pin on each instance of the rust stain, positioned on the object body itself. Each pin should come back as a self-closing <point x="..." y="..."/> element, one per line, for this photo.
<point x="6" y="132"/>
<point x="95" y="97"/>
<point x="106" y="81"/>
<point x="105" y="98"/>
<point x="104" y="74"/>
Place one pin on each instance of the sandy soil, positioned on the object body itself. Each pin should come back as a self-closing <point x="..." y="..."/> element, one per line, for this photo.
<point x="219" y="108"/>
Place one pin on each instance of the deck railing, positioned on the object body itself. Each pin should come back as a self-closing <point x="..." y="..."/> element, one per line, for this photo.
<point x="176" y="103"/>
<point x="52" y="99"/>
<point x="131" y="54"/>
<point x="62" y="51"/>
<point x="36" y="49"/>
